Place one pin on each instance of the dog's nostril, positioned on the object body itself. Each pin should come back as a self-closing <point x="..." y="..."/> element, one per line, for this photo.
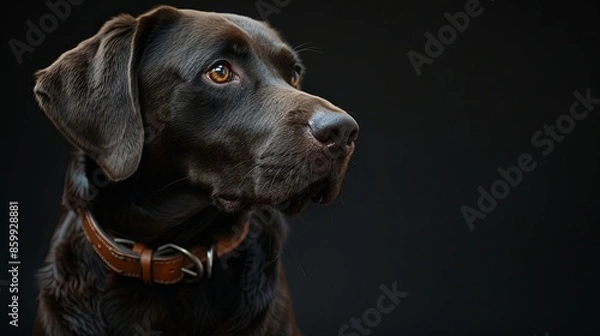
<point x="333" y="128"/>
<point x="353" y="136"/>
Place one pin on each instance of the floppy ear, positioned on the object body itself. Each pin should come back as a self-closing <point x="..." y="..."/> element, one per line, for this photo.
<point x="90" y="93"/>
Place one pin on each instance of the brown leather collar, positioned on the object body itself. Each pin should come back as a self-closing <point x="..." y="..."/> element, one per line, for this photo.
<point x="158" y="266"/>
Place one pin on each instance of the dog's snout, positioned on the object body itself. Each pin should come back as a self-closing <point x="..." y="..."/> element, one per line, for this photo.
<point x="333" y="128"/>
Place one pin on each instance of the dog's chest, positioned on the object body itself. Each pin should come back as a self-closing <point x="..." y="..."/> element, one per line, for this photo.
<point x="82" y="298"/>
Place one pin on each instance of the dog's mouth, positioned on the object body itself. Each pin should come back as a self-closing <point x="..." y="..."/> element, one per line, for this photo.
<point x="290" y="198"/>
<point x="320" y="192"/>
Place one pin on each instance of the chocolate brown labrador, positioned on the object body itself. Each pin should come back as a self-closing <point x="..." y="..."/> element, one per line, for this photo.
<point x="192" y="141"/>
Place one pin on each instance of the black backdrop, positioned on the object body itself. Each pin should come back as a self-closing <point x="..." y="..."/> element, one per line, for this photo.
<point x="530" y="267"/>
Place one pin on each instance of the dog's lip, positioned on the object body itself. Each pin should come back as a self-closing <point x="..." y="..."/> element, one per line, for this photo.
<point x="318" y="192"/>
<point x="229" y="203"/>
<point x="292" y="206"/>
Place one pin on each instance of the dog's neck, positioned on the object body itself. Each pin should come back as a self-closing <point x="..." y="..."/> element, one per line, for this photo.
<point x="149" y="207"/>
<point x="155" y="211"/>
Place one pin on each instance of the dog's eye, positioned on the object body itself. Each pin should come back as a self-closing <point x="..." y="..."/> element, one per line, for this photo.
<point x="220" y="73"/>
<point x="295" y="79"/>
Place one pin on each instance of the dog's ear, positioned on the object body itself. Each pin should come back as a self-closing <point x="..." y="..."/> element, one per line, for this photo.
<point x="90" y="93"/>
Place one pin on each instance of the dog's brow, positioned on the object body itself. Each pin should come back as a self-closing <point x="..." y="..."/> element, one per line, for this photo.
<point x="230" y="44"/>
<point x="234" y="43"/>
<point x="237" y="47"/>
<point x="287" y="55"/>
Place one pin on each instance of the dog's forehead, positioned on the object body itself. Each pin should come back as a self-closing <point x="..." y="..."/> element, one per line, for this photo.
<point x="227" y="25"/>
<point x="258" y="30"/>
<point x="197" y="35"/>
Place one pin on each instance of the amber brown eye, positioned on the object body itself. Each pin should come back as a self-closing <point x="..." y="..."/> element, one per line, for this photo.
<point x="295" y="79"/>
<point x="220" y="73"/>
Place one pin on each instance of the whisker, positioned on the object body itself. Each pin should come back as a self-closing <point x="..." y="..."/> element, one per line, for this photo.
<point x="275" y="177"/>
<point x="314" y="50"/>
<point x="306" y="46"/>
<point x="241" y="163"/>
<point x="250" y="171"/>
<point x="290" y="185"/>
<point x="302" y="45"/>
<point x="296" y="258"/>
<point x="168" y="185"/>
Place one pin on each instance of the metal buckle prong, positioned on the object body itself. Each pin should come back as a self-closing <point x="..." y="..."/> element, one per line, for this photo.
<point x="209" y="261"/>
<point x="197" y="262"/>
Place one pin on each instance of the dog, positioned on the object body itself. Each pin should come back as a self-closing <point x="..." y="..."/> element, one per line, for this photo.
<point x="192" y="141"/>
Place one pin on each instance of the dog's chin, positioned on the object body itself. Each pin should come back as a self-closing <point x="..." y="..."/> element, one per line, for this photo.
<point x="323" y="191"/>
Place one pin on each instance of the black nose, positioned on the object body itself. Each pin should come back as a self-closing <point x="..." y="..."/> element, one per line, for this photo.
<point x="335" y="129"/>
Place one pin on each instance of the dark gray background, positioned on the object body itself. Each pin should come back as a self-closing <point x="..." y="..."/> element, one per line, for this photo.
<point x="530" y="267"/>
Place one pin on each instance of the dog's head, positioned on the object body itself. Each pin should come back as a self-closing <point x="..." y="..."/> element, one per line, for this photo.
<point x="213" y="98"/>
